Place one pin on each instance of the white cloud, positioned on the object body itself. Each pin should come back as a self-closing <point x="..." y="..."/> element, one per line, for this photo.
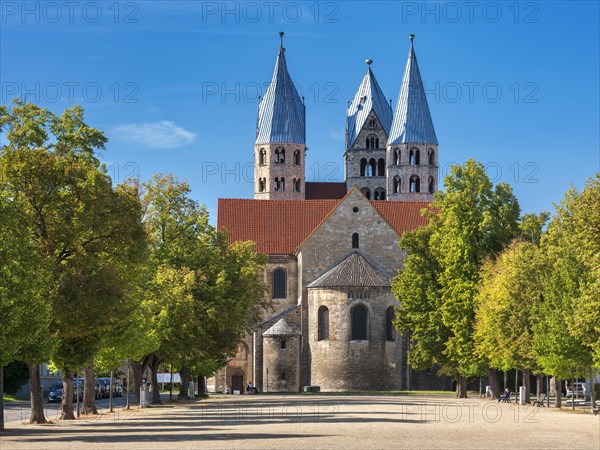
<point x="162" y="134"/>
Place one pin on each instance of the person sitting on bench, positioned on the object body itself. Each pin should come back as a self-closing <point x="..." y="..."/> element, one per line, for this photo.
<point x="504" y="397"/>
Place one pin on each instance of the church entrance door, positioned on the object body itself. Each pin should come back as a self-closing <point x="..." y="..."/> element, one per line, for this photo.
<point x="237" y="383"/>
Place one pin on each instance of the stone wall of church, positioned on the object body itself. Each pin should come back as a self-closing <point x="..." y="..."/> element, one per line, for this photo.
<point x="332" y="242"/>
<point x="406" y="167"/>
<point x="290" y="265"/>
<point x="281" y="368"/>
<point x="274" y="162"/>
<point x="340" y="363"/>
<point x="359" y="150"/>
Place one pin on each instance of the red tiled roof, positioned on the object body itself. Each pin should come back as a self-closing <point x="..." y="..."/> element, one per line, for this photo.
<point x="279" y="226"/>
<point x="322" y="191"/>
<point x="402" y="216"/>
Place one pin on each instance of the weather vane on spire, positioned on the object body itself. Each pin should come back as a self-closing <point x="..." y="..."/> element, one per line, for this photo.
<point x="369" y="61"/>
<point x="411" y="37"/>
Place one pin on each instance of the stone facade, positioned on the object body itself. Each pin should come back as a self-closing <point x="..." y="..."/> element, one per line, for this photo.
<point x="412" y="172"/>
<point x="373" y="363"/>
<point x="330" y="322"/>
<point x="365" y="160"/>
<point x="279" y="171"/>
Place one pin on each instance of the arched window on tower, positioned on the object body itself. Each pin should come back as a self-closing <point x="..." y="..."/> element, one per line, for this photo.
<point x="355" y="240"/>
<point x="396" y="157"/>
<point x="431" y="185"/>
<point x="297" y="185"/>
<point x="282" y="183"/>
<point x="323" y="325"/>
<point x="297" y="157"/>
<point x="413" y="157"/>
<point x="277" y="184"/>
<point x="363" y="167"/>
<point x="279" y="283"/>
<point x="367" y="192"/>
<point x="431" y="157"/>
<point x="379" y="194"/>
<point x="415" y="184"/>
<point x="261" y="185"/>
<point x="359" y="323"/>
<point x="262" y="157"/>
<point x="396" y="184"/>
<point x="373" y="166"/>
<point x="372" y="142"/>
<point x="417" y="157"/>
<point x="381" y="167"/>
<point x="389" y="324"/>
<point x="279" y="155"/>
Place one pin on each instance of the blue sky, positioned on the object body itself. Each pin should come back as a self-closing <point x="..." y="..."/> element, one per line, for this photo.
<point x="514" y="85"/>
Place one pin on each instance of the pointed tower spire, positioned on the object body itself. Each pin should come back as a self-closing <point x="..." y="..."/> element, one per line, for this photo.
<point x="412" y="120"/>
<point x="280" y="146"/>
<point x="368" y="98"/>
<point x="368" y="122"/>
<point x="281" y="111"/>
<point x="412" y="146"/>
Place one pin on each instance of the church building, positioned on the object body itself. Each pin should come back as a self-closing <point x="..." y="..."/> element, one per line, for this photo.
<point x="333" y="247"/>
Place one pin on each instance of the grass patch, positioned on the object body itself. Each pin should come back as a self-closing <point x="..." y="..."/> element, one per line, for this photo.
<point x="12" y="398"/>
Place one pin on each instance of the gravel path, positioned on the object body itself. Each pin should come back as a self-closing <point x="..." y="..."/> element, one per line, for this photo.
<point x="320" y="421"/>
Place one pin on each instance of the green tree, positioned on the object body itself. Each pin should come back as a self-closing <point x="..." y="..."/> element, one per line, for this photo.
<point x="24" y="278"/>
<point x="507" y="301"/>
<point x="469" y="222"/>
<point x="567" y="335"/>
<point x="205" y="293"/>
<point x="91" y="234"/>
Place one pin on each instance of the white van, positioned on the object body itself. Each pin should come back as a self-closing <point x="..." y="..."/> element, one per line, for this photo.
<point x="579" y="389"/>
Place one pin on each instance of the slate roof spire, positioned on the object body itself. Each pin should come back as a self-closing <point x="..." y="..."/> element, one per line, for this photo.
<point x="281" y="114"/>
<point x="412" y="120"/>
<point x="369" y="97"/>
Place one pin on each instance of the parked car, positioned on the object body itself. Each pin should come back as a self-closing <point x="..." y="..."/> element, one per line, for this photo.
<point x="56" y="392"/>
<point x="104" y="386"/>
<point x="82" y="381"/>
<point x="117" y="387"/>
<point x="579" y="389"/>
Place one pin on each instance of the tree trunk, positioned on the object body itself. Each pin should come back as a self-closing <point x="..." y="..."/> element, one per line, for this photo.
<point x="201" y="386"/>
<point x="493" y="380"/>
<point x="89" y="391"/>
<point x="527" y="384"/>
<point x="184" y="384"/>
<point x="66" y="405"/>
<point x="138" y="373"/>
<point x="110" y="392"/>
<point x="1" y="397"/>
<point x="154" y="363"/>
<point x="592" y="392"/>
<point x="461" y="387"/>
<point x="557" y="388"/>
<point x="539" y="385"/>
<point x="35" y="395"/>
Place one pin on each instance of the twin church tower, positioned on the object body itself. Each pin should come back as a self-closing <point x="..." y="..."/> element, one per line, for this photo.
<point x="389" y="155"/>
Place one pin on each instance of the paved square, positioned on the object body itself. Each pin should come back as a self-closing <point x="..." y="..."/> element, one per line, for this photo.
<point x="320" y="421"/>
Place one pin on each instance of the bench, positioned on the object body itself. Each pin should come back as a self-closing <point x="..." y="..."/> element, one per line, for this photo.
<point x="540" y="401"/>
<point x="504" y="399"/>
